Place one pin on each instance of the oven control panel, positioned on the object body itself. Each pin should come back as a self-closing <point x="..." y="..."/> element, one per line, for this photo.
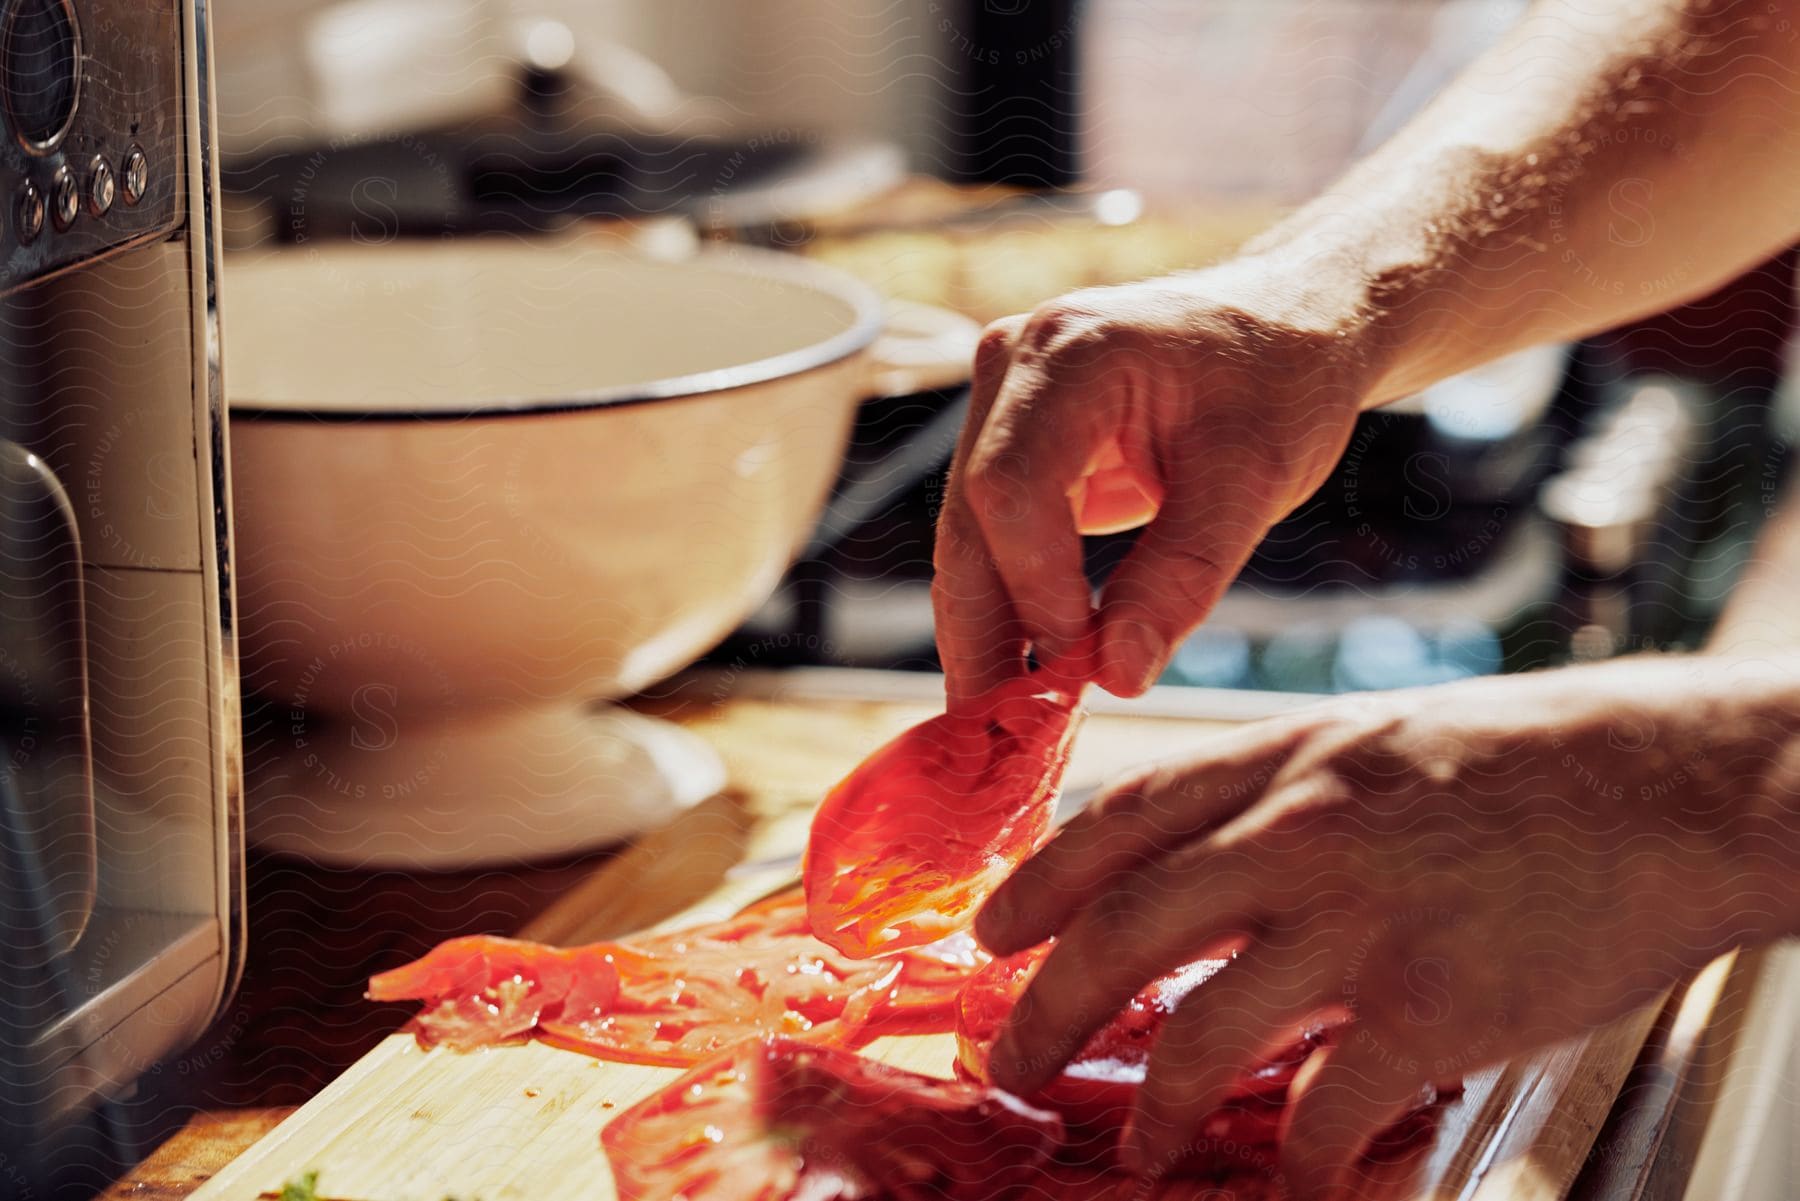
<point x="91" y="125"/>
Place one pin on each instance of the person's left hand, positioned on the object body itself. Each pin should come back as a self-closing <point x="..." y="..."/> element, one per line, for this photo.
<point x="1467" y="871"/>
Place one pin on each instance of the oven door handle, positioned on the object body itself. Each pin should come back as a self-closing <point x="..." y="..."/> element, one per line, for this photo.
<point x="44" y="733"/>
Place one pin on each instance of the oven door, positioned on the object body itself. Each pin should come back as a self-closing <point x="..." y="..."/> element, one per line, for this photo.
<point x="120" y="830"/>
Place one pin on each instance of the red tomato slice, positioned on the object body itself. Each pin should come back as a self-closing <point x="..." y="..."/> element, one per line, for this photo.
<point x="1096" y="1091"/>
<point x="779" y="1119"/>
<point x="680" y="997"/>
<point x="923" y="999"/>
<point x="908" y="846"/>
<point x="486" y="990"/>
<point x="686" y="995"/>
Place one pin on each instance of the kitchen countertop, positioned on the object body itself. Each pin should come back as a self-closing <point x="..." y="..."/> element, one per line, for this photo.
<point x="1648" y="1148"/>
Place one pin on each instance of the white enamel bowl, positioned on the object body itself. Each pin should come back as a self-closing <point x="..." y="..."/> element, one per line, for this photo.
<point x="482" y="484"/>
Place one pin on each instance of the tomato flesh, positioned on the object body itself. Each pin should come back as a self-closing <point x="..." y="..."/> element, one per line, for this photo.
<point x="781" y="1118"/>
<point x="486" y="990"/>
<point x="907" y="847"/>
<point x="688" y="994"/>
<point x="678" y="997"/>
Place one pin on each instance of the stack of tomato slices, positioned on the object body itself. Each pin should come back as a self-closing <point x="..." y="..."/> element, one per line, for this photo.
<point x="784" y="1120"/>
<point x="678" y="997"/>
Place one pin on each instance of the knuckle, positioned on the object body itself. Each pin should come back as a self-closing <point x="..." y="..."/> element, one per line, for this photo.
<point x="1048" y="324"/>
<point x="946" y="595"/>
<point x="1335" y="834"/>
<point x="1127" y="800"/>
<point x="1193" y="579"/>
<point x="1114" y="915"/>
<point x="998" y="335"/>
<point x="957" y="544"/>
<point x="1067" y="326"/>
<point x="997" y="485"/>
<point x="1150" y="802"/>
<point x="1233" y="874"/>
<point x="1344" y="733"/>
<point x="994" y="350"/>
<point x="981" y="477"/>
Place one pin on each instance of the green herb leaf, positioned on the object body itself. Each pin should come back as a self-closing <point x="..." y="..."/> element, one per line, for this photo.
<point x="304" y="1187"/>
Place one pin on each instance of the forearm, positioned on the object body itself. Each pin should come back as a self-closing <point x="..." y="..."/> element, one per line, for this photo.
<point x="1607" y="160"/>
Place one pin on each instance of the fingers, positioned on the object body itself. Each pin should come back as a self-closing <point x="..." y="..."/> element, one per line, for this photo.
<point x="1155" y="919"/>
<point x="1130" y="824"/>
<point x="1039" y="441"/>
<point x="1070" y="422"/>
<point x="979" y="641"/>
<point x="1348" y="1095"/>
<point x="1161" y="592"/>
<point x="1223" y="1030"/>
<point x="1212" y="517"/>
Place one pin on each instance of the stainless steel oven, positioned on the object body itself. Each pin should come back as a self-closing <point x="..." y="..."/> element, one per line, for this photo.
<point x="120" y="859"/>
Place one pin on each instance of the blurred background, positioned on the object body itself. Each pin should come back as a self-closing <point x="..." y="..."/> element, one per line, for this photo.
<point x="984" y="155"/>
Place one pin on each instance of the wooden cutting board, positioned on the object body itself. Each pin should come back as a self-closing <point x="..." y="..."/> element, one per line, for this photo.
<point x="521" y="1123"/>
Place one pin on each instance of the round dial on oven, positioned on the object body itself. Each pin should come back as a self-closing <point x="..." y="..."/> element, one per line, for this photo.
<point x="40" y="70"/>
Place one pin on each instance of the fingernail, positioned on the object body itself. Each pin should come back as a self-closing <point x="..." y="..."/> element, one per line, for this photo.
<point x="1004" y="1066"/>
<point x="1135" y="670"/>
<point x="1012" y="1069"/>
<point x="1149" y="652"/>
<point x="1133" y="654"/>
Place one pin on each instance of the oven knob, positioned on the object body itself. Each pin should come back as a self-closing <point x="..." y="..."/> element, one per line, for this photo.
<point x="65" y="198"/>
<point x="137" y="175"/>
<point x="101" y="188"/>
<point x="30" y="214"/>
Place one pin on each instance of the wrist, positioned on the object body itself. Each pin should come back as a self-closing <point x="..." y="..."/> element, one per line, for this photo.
<point x="1311" y="304"/>
<point x="1722" y="778"/>
<point x="1703" y="755"/>
<point x="1762" y="836"/>
<point x="1346" y="264"/>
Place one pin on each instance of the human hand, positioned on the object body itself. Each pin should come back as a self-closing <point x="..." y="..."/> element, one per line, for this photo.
<point x="1467" y="872"/>
<point x="1209" y="405"/>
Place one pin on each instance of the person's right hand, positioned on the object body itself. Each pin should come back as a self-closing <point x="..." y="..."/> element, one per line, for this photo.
<point x="1209" y="404"/>
<point x="1464" y="873"/>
